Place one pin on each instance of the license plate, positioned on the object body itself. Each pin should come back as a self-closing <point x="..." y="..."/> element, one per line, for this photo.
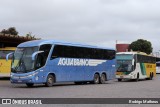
<point x="121" y="76"/>
<point x="19" y="81"/>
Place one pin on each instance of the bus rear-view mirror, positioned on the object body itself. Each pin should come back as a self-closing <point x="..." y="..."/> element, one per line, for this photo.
<point x="35" y="53"/>
<point x="7" y="56"/>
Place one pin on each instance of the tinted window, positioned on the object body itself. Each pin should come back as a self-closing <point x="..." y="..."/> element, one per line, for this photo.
<point x="158" y="64"/>
<point x="82" y="52"/>
<point x="42" y="57"/>
<point x="145" y="59"/>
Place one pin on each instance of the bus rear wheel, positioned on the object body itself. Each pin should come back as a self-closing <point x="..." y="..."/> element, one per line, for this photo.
<point x="50" y="81"/>
<point x="151" y="76"/>
<point x="102" y="78"/>
<point x="96" y="79"/>
<point x="29" y="84"/>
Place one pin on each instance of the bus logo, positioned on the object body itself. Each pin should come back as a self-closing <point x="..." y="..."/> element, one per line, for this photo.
<point x="79" y="62"/>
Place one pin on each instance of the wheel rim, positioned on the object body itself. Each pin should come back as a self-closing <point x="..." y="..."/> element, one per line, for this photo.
<point x="103" y="78"/>
<point x="50" y="81"/>
<point x="96" y="79"/>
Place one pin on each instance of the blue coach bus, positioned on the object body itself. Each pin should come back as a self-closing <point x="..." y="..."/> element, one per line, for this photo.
<point x="49" y="61"/>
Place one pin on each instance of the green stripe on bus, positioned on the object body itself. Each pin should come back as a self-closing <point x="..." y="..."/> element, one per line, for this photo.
<point x="143" y="70"/>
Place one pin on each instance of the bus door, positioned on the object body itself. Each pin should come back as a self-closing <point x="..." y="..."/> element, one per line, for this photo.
<point x="41" y="60"/>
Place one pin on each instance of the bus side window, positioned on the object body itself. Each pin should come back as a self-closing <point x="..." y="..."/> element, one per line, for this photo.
<point x="42" y="57"/>
<point x="40" y="60"/>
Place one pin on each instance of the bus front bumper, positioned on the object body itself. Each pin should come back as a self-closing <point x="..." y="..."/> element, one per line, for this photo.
<point x="126" y="76"/>
<point x="21" y="79"/>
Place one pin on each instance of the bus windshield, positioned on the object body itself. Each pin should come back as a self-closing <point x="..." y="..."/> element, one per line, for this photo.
<point x="124" y="65"/>
<point x="22" y="61"/>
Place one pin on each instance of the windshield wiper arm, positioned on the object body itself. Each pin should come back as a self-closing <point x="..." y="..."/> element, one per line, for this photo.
<point x="19" y="63"/>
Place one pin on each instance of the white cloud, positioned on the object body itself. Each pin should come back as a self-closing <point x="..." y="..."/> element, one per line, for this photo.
<point x="98" y="22"/>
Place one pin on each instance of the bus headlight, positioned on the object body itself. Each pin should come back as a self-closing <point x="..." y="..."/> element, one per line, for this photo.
<point x="131" y="73"/>
<point x="30" y="75"/>
<point x="11" y="75"/>
<point x="27" y="76"/>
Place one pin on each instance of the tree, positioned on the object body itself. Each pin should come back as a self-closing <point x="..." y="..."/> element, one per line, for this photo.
<point x="4" y="31"/>
<point x="142" y="46"/>
<point x="11" y="30"/>
<point x="29" y="35"/>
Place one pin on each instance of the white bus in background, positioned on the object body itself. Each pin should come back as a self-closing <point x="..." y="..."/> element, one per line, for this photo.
<point x="158" y="67"/>
<point x="135" y="65"/>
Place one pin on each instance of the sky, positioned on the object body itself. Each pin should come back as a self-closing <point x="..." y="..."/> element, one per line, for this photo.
<point x="94" y="22"/>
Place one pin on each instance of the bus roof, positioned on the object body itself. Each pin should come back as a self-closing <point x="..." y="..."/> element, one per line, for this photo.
<point x="127" y="53"/>
<point x="41" y="42"/>
<point x="134" y="52"/>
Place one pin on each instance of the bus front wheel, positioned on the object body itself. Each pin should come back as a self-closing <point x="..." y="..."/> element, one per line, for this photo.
<point x="119" y="79"/>
<point x="50" y="81"/>
<point x="96" y="79"/>
<point x="29" y="84"/>
<point x="137" y="79"/>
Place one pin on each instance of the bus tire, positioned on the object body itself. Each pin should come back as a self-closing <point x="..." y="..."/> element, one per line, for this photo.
<point x="137" y="79"/>
<point x="50" y="80"/>
<point x="119" y="79"/>
<point x="29" y="84"/>
<point x="103" y="79"/>
<point x="151" y="76"/>
<point x="96" y="79"/>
